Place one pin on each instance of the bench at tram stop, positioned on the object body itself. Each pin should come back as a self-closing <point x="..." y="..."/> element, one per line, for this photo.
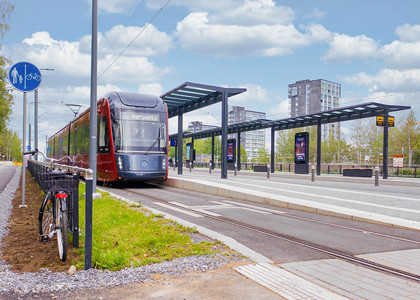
<point x="260" y="168"/>
<point x="358" y="172"/>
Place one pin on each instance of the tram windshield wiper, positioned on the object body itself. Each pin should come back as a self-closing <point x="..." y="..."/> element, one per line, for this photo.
<point x="155" y="142"/>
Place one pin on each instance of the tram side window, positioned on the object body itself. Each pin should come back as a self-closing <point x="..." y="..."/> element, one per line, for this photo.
<point x="56" y="146"/>
<point x="65" y="144"/>
<point x="103" y="135"/>
<point x="73" y="142"/>
<point x="83" y="140"/>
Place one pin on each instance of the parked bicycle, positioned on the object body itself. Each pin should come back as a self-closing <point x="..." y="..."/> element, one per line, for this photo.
<point x="53" y="214"/>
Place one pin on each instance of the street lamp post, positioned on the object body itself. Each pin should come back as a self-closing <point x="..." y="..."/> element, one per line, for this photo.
<point x="36" y="114"/>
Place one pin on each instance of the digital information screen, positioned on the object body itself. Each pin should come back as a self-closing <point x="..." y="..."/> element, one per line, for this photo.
<point x="188" y="151"/>
<point x="301" y="147"/>
<point x="138" y="116"/>
<point x="231" y="151"/>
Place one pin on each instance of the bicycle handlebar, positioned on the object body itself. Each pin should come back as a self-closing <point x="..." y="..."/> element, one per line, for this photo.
<point x="48" y="158"/>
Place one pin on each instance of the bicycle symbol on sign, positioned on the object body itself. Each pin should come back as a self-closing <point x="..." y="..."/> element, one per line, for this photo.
<point x="34" y="76"/>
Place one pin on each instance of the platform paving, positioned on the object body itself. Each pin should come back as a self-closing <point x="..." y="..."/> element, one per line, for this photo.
<point x="327" y="278"/>
<point x="375" y="206"/>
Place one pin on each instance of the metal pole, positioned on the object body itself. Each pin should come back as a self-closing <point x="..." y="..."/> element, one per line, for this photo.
<point x="272" y="159"/>
<point x="212" y="152"/>
<point x="385" y="146"/>
<point x="210" y="166"/>
<point x="238" y="152"/>
<point x="224" y="133"/>
<point x="88" y="218"/>
<point x="30" y="136"/>
<point x="36" y="122"/>
<point x="235" y="169"/>
<point x="377" y="176"/>
<point x="25" y="99"/>
<point x="318" y="149"/>
<point x="93" y="90"/>
<point x="313" y="173"/>
<point x="180" y="143"/>
<point x="268" y="171"/>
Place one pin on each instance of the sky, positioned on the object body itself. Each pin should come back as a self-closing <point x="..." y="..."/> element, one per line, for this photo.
<point x="372" y="48"/>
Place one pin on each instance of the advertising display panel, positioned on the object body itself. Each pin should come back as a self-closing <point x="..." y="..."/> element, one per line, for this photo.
<point x="231" y="149"/>
<point x="301" y="148"/>
<point x="188" y="152"/>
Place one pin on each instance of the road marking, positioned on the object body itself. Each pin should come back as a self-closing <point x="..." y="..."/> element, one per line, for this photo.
<point x="339" y="199"/>
<point x="179" y="210"/>
<point x="345" y="191"/>
<point x="196" y="209"/>
<point x="254" y="207"/>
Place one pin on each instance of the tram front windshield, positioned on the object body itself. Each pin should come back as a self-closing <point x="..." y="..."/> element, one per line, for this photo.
<point x="140" y="132"/>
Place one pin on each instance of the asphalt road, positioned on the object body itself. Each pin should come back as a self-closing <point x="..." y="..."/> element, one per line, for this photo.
<point x="6" y="174"/>
<point x="348" y="236"/>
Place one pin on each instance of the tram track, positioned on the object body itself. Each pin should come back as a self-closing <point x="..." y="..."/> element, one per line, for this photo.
<point x="325" y="250"/>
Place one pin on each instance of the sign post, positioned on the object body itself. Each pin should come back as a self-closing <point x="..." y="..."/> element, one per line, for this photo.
<point x="24" y="77"/>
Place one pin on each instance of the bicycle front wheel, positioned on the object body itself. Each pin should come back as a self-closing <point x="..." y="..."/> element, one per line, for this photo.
<point x="62" y="240"/>
<point x="46" y="218"/>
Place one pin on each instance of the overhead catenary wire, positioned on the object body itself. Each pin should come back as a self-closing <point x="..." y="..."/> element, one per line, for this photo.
<point x="132" y="41"/>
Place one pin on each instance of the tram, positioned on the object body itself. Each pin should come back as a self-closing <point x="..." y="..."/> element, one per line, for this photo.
<point x="132" y="138"/>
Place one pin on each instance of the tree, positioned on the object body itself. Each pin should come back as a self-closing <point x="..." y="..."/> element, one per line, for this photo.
<point x="6" y="10"/>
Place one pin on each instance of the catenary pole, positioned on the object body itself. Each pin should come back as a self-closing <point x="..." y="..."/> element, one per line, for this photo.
<point x="91" y="188"/>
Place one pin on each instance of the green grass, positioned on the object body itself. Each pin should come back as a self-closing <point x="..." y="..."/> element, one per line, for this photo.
<point x="124" y="236"/>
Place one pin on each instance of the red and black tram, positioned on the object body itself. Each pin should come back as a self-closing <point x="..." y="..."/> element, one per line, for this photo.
<point x="132" y="138"/>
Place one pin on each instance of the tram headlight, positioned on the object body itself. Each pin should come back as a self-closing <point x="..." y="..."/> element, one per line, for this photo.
<point x="120" y="162"/>
<point x="164" y="164"/>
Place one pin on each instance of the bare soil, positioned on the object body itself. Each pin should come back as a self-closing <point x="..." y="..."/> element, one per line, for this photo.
<point x="21" y="248"/>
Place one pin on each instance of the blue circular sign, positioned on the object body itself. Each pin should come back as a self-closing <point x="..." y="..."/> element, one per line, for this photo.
<point x="25" y="77"/>
<point x="28" y="147"/>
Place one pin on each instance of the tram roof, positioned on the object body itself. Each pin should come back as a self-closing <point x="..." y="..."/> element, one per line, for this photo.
<point x="347" y="113"/>
<point x="190" y="96"/>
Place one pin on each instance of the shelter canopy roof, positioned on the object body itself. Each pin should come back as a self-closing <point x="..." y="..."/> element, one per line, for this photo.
<point x="354" y="112"/>
<point x="190" y="96"/>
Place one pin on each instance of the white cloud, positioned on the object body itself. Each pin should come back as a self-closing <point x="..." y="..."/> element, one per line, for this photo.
<point x="401" y="55"/>
<point x="115" y="6"/>
<point x="72" y="65"/>
<point x="280" y="111"/>
<point x="408" y="33"/>
<point x="256" y="12"/>
<point x="387" y="80"/>
<point x="255" y="95"/>
<point x="315" y="14"/>
<point x="152" y="88"/>
<point x="344" y="48"/>
<point x="150" y="42"/>
<point x="196" y="33"/>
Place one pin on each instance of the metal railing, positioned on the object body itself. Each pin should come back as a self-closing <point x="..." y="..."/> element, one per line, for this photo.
<point x="39" y="169"/>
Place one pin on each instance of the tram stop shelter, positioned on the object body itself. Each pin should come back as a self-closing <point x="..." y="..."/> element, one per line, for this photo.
<point x="190" y="96"/>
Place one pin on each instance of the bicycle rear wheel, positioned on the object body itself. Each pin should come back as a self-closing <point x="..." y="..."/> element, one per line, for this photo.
<point x="46" y="218"/>
<point x="62" y="240"/>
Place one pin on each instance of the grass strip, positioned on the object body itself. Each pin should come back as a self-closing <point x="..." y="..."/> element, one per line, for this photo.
<point x="127" y="236"/>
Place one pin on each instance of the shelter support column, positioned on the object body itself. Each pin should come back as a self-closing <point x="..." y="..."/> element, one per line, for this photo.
<point x="192" y="153"/>
<point x="212" y="152"/>
<point x="272" y="159"/>
<point x="318" y="149"/>
<point x="224" y="133"/>
<point x="238" y="162"/>
<point x="180" y="142"/>
<point x="385" y="144"/>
